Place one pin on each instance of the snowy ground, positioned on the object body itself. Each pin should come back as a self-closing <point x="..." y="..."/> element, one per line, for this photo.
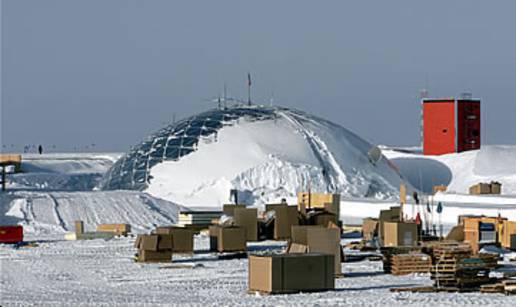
<point x="55" y="190"/>
<point x="458" y="171"/>
<point x="98" y="272"/>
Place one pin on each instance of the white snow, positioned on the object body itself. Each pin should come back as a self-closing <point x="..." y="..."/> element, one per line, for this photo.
<point x="459" y="171"/>
<point x="51" y="214"/>
<point x="102" y="273"/>
<point x="61" y="171"/>
<point x="98" y="272"/>
<point x="272" y="159"/>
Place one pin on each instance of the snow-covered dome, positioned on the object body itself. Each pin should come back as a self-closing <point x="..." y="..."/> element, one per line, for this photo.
<point x="267" y="153"/>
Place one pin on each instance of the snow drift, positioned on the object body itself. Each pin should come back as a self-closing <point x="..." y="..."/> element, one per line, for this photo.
<point x="459" y="171"/>
<point x="44" y="214"/>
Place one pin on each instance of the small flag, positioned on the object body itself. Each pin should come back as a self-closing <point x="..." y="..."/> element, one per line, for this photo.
<point x="418" y="219"/>
<point x="439" y="208"/>
<point x="248" y="79"/>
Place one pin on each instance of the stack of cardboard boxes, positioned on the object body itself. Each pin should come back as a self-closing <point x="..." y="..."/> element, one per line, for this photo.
<point x="327" y="202"/>
<point x="247" y="218"/>
<point x="317" y="239"/>
<point x="182" y="238"/>
<point x="486" y="188"/>
<point x="284" y="218"/>
<point x="160" y="245"/>
<point x="154" y="248"/>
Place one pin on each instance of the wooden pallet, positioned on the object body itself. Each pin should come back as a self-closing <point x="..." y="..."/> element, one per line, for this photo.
<point x="410" y="263"/>
<point x="492" y="288"/>
<point x="433" y="289"/>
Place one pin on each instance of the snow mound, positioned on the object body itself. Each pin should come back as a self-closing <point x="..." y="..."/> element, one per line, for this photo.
<point x="51" y="213"/>
<point x="459" y="171"/>
<point x="266" y="153"/>
<point x="61" y="171"/>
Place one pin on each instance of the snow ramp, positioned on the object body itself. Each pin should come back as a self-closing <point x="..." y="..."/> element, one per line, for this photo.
<point x="49" y="213"/>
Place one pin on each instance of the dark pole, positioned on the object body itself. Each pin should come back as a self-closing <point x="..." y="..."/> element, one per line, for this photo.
<point x="248" y="88"/>
<point x="3" y="178"/>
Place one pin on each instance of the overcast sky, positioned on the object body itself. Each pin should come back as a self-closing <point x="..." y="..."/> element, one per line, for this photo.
<point x="111" y="72"/>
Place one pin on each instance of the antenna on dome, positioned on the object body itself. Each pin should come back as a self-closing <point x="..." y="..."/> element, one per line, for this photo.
<point x="249" y="89"/>
<point x="225" y="95"/>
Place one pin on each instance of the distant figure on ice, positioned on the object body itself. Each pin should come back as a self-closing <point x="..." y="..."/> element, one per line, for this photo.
<point x="40" y="149"/>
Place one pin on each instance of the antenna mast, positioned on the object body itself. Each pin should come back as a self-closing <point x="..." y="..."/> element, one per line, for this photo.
<point x="225" y="95"/>
<point x="249" y="89"/>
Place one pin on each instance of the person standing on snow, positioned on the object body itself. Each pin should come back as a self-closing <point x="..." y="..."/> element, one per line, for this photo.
<point x="40" y="149"/>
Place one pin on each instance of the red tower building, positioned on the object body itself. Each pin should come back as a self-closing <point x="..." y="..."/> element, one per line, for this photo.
<point x="450" y="125"/>
<point x="468" y="124"/>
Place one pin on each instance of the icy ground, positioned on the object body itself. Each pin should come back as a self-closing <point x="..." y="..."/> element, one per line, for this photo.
<point x="98" y="272"/>
<point x="55" y="190"/>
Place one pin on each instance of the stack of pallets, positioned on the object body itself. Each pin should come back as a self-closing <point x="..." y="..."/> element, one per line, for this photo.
<point x="403" y="264"/>
<point x="491" y="260"/>
<point x="509" y="286"/>
<point x="389" y="252"/>
<point x="455" y="268"/>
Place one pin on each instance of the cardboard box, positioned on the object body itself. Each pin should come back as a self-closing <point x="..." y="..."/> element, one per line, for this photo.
<point x="480" y="188"/>
<point x="508" y="229"/>
<point x="118" y="229"/>
<point x="290" y="273"/>
<point x="154" y="256"/>
<point x="147" y="242"/>
<point x="496" y="187"/>
<point x="229" y="209"/>
<point x="329" y="202"/>
<point x="284" y="218"/>
<point x="327" y="241"/>
<point x="248" y="219"/>
<point x="79" y="227"/>
<point x="227" y="239"/>
<point x="456" y="233"/>
<point x="296" y="248"/>
<point x="165" y="242"/>
<point x="11" y="159"/>
<point x="182" y="238"/>
<point x="390" y="215"/>
<point x="400" y="234"/>
<point x="440" y="188"/>
<point x="299" y="233"/>
<point x="369" y="228"/>
<point x="323" y="219"/>
<point x="513" y="243"/>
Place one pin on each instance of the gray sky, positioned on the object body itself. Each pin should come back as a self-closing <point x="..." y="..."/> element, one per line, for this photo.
<point x="111" y="72"/>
